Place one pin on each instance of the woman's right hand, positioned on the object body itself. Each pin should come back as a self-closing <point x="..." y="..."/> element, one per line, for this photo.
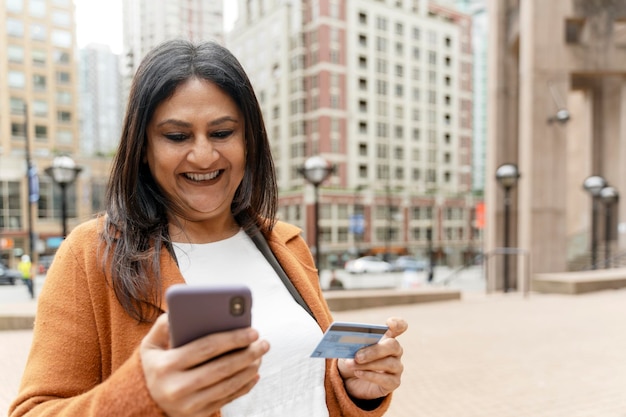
<point x="199" y="378"/>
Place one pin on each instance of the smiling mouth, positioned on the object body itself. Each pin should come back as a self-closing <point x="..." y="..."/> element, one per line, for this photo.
<point x="203" y="177"/>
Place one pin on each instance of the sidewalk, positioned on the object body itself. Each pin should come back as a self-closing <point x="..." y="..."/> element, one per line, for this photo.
<point x="496" y="355"/>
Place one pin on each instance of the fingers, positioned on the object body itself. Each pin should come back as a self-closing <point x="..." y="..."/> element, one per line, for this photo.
<point x="213" y="346"/>
<point x="212" y="384"/>
<point x="229" y="365"/>
<point x="201" y="376"/>
<point x="383" y="349"/>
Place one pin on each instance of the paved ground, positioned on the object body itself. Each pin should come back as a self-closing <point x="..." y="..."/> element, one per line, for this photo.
<point x="484" y="356"/>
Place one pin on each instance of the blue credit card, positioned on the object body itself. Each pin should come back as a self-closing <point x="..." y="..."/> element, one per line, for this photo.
<point x="343" y="340"/>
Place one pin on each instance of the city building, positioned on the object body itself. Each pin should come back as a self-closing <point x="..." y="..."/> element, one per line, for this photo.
<point x="383" y="91"/>
<point x="150" y="22"/>
<point x="39" y="119"/>
<point x="101" y="104"/>
<point x="480" y="28"/>
<point x="556" y="103"/>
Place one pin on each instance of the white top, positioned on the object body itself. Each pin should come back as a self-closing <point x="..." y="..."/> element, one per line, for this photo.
<point x="291" y="383"/>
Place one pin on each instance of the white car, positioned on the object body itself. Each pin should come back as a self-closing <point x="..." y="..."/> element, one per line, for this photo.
<point x="367" y="264"/>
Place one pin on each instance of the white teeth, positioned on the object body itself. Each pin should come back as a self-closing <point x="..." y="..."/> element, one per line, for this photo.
<point x="203" y="177"/>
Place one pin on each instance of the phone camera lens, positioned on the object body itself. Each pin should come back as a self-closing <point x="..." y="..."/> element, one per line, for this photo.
<point x="237" y="306"/>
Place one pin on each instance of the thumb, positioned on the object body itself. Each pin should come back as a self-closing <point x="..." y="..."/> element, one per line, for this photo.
<point x="397" y="326"/>
<point x="159" y="335"/>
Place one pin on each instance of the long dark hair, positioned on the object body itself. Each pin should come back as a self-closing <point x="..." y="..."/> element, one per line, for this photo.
<point x="136" y="226"/>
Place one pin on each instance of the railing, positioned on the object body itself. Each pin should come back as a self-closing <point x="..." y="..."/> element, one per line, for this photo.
<point x="582" y="263"/>
<point x="485" y="259"/>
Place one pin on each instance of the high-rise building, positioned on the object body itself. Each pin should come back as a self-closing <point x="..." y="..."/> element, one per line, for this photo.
<point x="478" y="10"/>
<point x="101" y="105"/>
<point x="382" y="90"/>
<point x="150" y="22"/>
<point x="38" y="118"/>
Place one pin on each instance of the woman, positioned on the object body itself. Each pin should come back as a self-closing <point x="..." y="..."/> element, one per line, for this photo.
<point x="192" y="198"/>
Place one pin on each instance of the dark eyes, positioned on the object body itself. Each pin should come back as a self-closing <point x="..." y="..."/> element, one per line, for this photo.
<point x="181" y="137"/>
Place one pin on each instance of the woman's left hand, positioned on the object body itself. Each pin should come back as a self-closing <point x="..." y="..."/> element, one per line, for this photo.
<point x="376" y="370"/>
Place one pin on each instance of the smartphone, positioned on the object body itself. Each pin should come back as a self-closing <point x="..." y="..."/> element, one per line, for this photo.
<point x="344" y="339"/>
<point x="199" y="310"/>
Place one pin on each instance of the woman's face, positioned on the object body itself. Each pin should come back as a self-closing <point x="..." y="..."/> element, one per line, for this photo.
<point x="196" y="151"/>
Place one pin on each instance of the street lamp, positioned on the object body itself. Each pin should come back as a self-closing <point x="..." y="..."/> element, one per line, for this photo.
<point x="63" y="172"/>
<point x="594" y="185"/>
<point x="609" y="196"/>
<point x="507" y="175"/>
<point x="316" y="170"/>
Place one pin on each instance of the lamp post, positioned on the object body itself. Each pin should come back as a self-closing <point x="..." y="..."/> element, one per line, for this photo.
<point x="594" y="185"/>
<point x="507" y="175"/>
<point x="316" y="170"/>
<point x="63" y="172"/>
<point x="609" y="196"/>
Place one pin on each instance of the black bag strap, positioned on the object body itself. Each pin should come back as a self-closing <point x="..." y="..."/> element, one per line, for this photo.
<point x="261" y="243"/>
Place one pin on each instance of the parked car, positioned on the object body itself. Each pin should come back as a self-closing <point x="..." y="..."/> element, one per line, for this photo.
<point x="9" y="276"/>
<point x="44" y="263"/>
<point x="408" y="263"/>
<point x="367" y="264"/>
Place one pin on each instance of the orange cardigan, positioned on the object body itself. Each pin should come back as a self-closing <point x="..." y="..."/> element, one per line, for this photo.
<point x="84" y="360"/>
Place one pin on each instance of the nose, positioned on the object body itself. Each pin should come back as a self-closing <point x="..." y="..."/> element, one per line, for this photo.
<point x="203" y="153"/>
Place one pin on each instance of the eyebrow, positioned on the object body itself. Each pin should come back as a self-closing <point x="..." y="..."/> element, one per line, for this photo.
<point x="181" y="123"/>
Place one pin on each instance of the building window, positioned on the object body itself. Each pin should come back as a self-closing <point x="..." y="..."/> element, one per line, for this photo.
<point x="15" y="6"/>
<point x="40" y="108"/>
<point x="15" y="53"/>
<point x="39" y="57"/>
<point x="60" y="18"/>
<point x="381" y="44"/>
<point x="98" y="190"/>
<point x="15" y="28"/>
<point x="64" y="97"/>
<point x="49" y="204"/>
<point x="61" y="57"/>
<point x="16" y="79"/>
<point x="11" y="207"/>
<point x="64" y="116"/>
<point x="63" y="77"/>
<point x="39" y="82"/>
<point x="62" y="38"/>
<point x="381" y="23"/>
<point x="65" y="137"/>
<point x="18" y="130"/>
<point x="37" y="8"/>
<point x="17" y="105"/>
<point x="38" y="32"/>
<point x="41" y="132"/>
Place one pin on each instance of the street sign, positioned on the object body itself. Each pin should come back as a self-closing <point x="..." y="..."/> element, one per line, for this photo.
<point x="357" y="224"/>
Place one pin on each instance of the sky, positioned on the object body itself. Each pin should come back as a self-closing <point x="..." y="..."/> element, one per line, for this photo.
<point x="100" y="21"/>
